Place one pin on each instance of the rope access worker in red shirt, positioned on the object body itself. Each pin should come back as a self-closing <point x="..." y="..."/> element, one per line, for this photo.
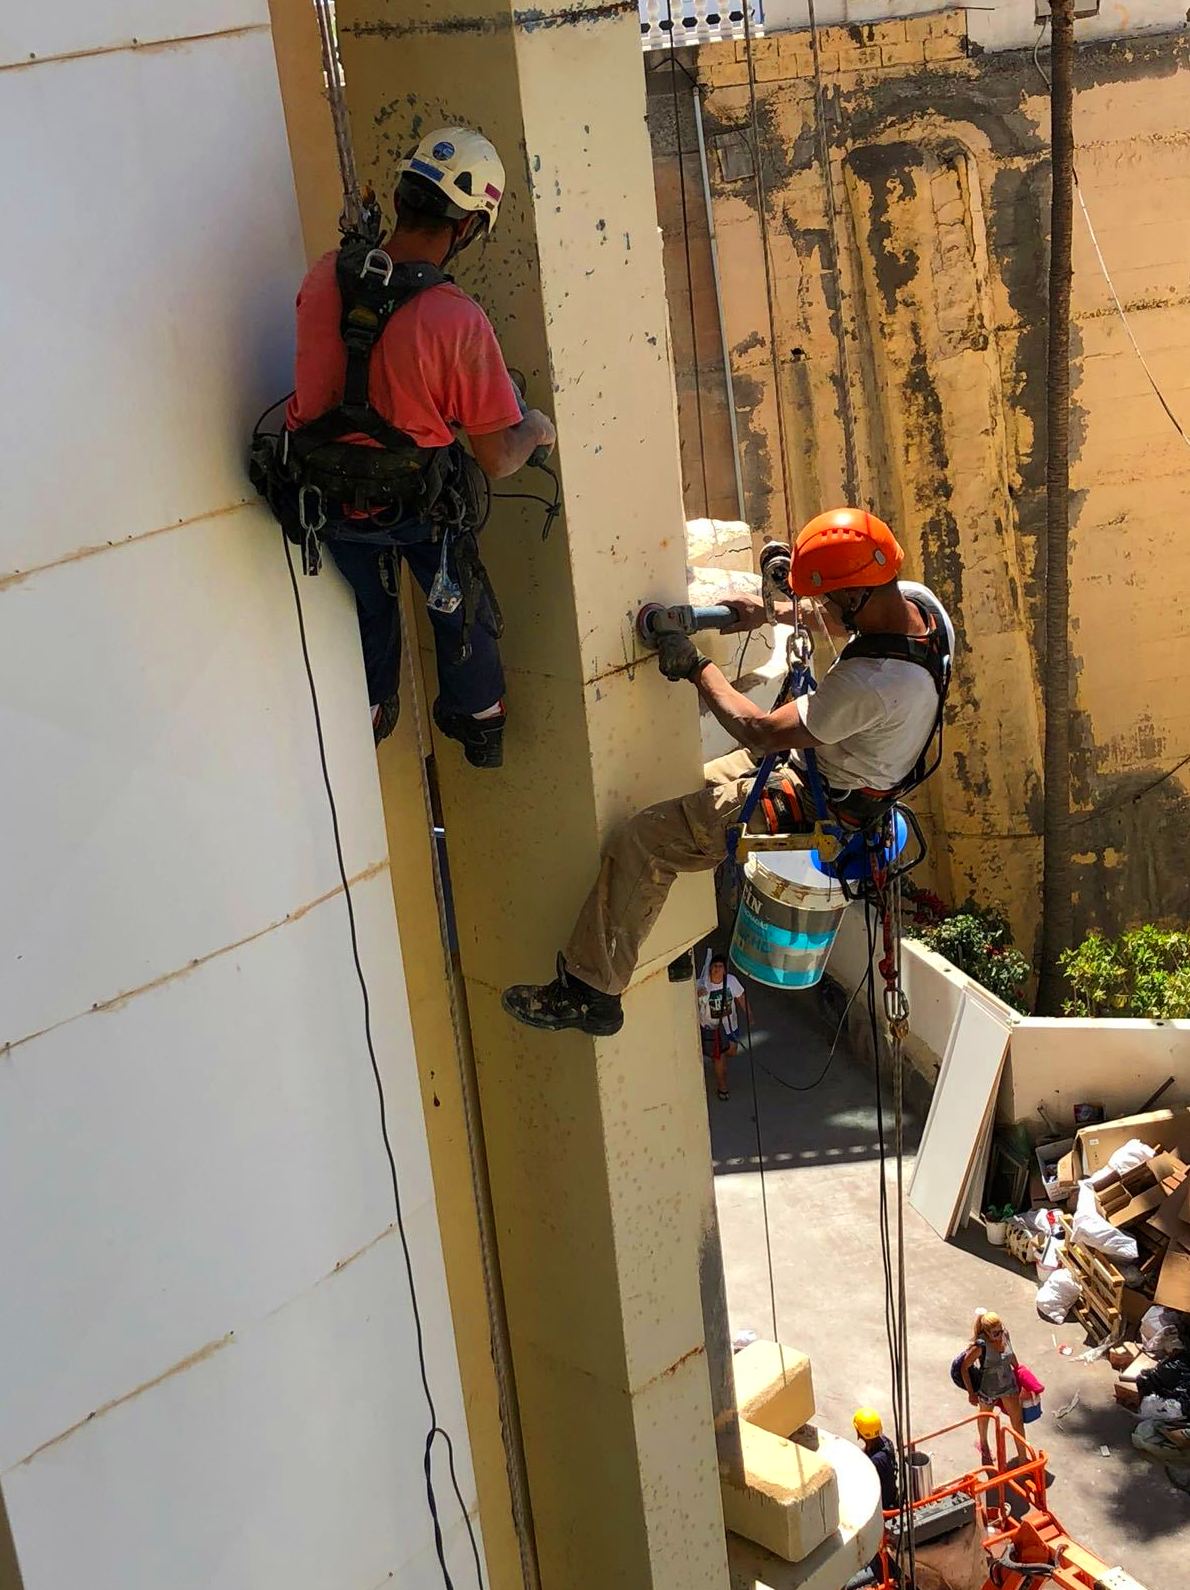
<point x="393" y="362"/>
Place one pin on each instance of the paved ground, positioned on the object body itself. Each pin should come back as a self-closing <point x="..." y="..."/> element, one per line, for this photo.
<point x="822" y="1181"/>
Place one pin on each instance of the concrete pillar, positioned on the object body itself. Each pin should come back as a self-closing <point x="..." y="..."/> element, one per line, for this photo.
<point x="599" y="1155"/>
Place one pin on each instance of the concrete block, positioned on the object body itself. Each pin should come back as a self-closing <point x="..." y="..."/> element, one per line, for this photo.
<point x="860" y="59"/>
<point x="845" y="1550"/>
<point x="946" y="24"/>
<point x="797" y="58"/>
<point x="947" y="48"/>
<point x="771" y="70"/>
<point x="902" y="54"/>
<point x="723" y="73"/>
<point x="774" y="1387"/>
<point x="789" y="1500"/>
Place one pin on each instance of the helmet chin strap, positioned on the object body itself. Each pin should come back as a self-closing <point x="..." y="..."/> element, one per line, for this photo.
<point x="459" y="242"/>
<point x="849" y="616"/>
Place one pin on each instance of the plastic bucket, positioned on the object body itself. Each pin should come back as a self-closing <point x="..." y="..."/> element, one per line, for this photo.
<point x="789" y="916"/>
<point x="791" y="910"/>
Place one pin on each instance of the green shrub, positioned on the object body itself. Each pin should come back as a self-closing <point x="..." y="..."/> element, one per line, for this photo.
<point x="1145" y="972"/>
<point x="980" y="943"/>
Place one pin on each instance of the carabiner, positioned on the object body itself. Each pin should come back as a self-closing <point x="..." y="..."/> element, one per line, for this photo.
<point x="306" y="495"/>
<point x="377" y="263"/>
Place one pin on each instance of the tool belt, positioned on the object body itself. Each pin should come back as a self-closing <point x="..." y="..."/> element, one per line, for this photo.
<point x="782" y="805"/>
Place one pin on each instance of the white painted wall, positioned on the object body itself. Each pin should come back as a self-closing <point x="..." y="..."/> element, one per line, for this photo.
<point x="1053" y="1064"/>
<point x="207" y="1372"/>
<point x="1008" y="25"/>
<point x="1119" y="1064"/>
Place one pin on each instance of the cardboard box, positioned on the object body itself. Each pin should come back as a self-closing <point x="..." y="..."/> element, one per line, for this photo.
<point x="1049" y="1157"/>
<point x="1141" y="1191"/>
<point x="1120" y="1357"/>
<point x="1172" y="1218"/>
<point x="1173" y="1283"/>
<point x="1127" y="1395"/>
<point x="1133" y="1305"/>
<point x="1095" y="1145"/>
<point x="1137" y="1367"/>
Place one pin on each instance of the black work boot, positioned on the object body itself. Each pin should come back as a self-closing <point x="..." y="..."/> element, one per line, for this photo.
<point x="384" y="718"/>
<point x="681" y="970"/>
<point x="482" y="739"/>
<point x="565" y="1002"/>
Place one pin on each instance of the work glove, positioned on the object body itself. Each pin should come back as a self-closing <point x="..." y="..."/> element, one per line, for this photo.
<point x="678" y="657"/>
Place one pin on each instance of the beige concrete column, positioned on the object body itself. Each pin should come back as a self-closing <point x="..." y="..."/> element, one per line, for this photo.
<point x="599" y="1155"/>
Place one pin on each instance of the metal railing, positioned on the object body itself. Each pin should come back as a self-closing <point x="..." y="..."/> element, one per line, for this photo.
<point x="697" y="21"/>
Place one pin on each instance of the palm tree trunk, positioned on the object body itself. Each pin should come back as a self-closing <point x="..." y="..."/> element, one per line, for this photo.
<point x="1057" y="910"/>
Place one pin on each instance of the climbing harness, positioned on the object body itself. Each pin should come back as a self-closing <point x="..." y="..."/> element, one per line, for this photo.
<point x="387" y="491"/>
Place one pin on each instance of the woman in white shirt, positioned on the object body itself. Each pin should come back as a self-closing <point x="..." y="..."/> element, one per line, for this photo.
<point x="720" y="1000"/>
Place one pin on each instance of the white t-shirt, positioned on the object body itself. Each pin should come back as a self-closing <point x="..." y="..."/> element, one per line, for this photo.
<point x="717" y="1002"/>
<point x="874" y="715"/>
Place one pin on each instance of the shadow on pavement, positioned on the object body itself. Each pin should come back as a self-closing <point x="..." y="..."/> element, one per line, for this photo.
<point x="808" y="1110"/>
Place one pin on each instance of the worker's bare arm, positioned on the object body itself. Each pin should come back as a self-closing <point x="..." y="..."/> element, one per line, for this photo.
<point x="758" y="731"/>
<point x="502" y="453"/>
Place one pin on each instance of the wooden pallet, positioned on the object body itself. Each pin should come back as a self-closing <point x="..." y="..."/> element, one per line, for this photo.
<point x="1095" y="1271"/>
<point x="1098" y="1309"/>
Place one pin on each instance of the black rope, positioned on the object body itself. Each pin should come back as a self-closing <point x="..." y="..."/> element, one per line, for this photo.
<point x="808" y="1087"/>
<point x="435" y="1429"/>
<point x="894" y="1321"/>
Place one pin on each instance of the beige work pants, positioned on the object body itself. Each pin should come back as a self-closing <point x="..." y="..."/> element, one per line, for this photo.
<point x="641" y="862"/>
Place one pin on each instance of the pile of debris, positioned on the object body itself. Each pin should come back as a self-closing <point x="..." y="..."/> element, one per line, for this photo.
<point x="1127" y="1243"/>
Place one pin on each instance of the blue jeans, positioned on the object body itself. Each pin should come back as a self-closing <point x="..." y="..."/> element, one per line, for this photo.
<point x="463" y="686"/>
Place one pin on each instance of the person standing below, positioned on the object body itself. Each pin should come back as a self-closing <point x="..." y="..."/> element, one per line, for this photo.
<point x="988" y="1371"/>
<point x="882" y="1454"/>
<point x="869" y="1427"/>
<point x="431" y="371"/>
<point x="721" y="1000"/>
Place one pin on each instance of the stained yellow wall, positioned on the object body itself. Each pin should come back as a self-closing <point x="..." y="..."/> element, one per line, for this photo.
<point x="940" y="173"/>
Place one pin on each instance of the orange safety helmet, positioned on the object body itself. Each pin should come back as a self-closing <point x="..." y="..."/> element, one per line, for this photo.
<point x="844" y="547"/>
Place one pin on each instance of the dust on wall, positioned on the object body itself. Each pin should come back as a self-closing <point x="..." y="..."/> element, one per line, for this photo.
<point x="908" y="332"/>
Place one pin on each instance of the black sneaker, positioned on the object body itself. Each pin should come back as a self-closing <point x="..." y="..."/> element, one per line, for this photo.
<point x="565" y="1003"/>
<point x="682" y="970"/>
<point x="384" y="718"/>
<point x="482" y="739"/>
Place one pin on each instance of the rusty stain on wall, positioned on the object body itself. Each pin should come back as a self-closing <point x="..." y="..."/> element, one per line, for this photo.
<point x="940" y="177"/>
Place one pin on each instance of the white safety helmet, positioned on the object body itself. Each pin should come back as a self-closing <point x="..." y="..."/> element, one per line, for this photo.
<point x="464" y="168"/>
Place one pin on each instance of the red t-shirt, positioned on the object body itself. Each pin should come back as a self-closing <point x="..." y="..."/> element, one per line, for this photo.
<point x="437" y="363"/>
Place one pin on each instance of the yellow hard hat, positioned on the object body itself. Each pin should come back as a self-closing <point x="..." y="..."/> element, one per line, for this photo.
<point x="867" y="1423"/>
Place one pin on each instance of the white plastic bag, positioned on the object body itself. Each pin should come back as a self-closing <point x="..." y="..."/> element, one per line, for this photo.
<point x="1160" y="1331"/>
<point x="1093" y="1231"/>
<point x="1050" y="1260"/>
<point x="1133" y="1153"/>
<point x="1155" y="1407"/>
<point x="1057" y="1296"/>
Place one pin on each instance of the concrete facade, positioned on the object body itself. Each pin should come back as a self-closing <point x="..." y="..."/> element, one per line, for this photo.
<point x="208" y="1364"/>
<point x="921" y="356"/>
